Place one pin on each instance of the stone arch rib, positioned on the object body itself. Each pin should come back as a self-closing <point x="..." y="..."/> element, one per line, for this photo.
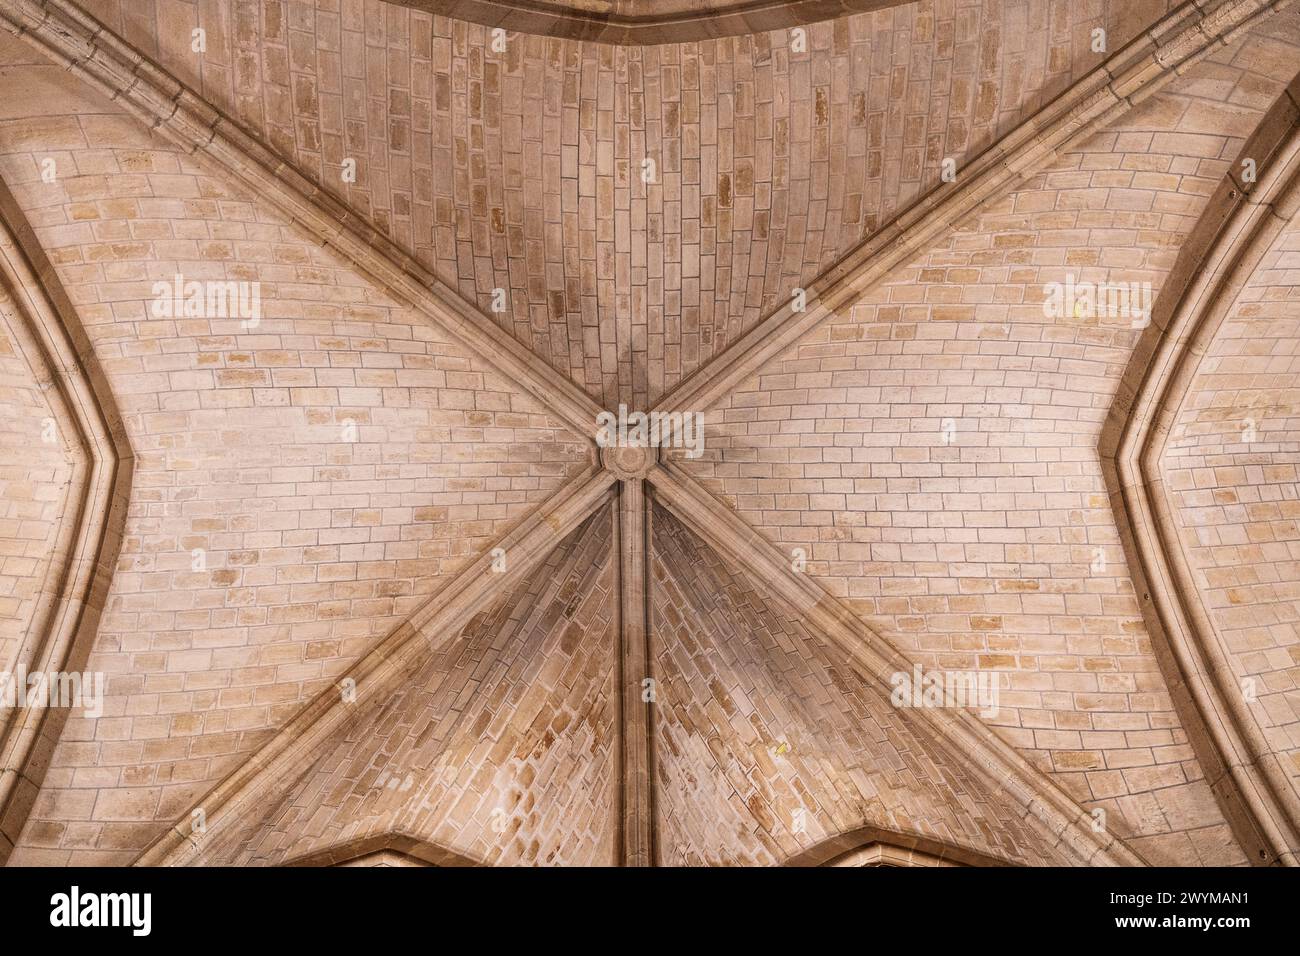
<point x="403" y="844"/>
<point x="961" y="735"/>
<point x="71" y="37"/>
<point x="1239" y="224"/>
<point x="629" y="22"/>
<point x="934" y="852"/>
<point x="90" y="533"/>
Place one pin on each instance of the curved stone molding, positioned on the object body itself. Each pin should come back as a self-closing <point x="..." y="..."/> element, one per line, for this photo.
<point x="1239" y="224"/>
<point x="645" y="22"/>
<point x="885" y="854"/>
<point x="90" y="533"/>
<point x="892" y="849"/>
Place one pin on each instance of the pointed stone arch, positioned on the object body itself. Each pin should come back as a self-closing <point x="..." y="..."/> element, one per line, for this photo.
<point x="90" y="536"/>
<point x="891" y="848"/>
<point x="1236" y="229"/>
<point x="417" y="851"/>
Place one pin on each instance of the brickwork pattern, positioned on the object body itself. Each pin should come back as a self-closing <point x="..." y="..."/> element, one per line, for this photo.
<point x="998" y="550"/>
<point x="502" y="746"/>
<point x="300" y="486"/>
<point x="766" y="743"/>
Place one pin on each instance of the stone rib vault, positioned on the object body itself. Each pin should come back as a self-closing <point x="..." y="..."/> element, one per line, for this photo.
<point x="364" y="586"/>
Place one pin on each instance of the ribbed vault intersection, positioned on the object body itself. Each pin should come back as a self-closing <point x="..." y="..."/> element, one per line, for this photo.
<point x="582" y="655"/>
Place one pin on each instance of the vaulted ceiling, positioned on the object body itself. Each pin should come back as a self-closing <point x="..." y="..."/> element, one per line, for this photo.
<point x="364" y="588"/>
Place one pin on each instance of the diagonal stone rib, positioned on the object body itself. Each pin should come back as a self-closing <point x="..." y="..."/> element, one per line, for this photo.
<point x="90" y="534"/>
<point x="89" y="50"/>
<point x="438" y="620"/>
<point x="876" y="659"/>
<point x="1239" y="225"/>
<point x="1128" y="77"/>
